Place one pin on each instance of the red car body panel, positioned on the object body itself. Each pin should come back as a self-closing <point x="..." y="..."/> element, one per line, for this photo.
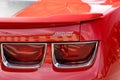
<point x="41" y="21"/>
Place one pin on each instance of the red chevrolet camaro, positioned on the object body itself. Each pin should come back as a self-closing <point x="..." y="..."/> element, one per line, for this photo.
<point x="60" y="39"/>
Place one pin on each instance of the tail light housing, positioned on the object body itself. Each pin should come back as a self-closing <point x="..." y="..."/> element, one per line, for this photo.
<point x="74" y="54"/>
<point x="23" y="55"/>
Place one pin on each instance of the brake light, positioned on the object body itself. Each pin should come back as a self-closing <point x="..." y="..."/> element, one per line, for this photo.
<point x="73" y="55"/>
<point x="21" y="55"/>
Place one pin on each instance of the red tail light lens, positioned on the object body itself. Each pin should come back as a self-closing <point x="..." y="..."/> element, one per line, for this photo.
<point x="21" y="55"/>
<point x="72" y="55"/>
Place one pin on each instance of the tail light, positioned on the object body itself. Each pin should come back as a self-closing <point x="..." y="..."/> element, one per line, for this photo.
<point x="74" y="55"/>
<point x="23" y="55"/>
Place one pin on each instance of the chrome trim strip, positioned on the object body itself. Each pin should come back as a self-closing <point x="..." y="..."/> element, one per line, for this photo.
<point x="19" y="66"/>
<point x="94" y="2"/>
<point x="62" y="66"/>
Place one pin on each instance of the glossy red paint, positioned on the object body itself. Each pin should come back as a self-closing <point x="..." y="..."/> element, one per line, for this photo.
<point x="107" y="31"/>
<point x="52" y="19"/>
<point x="52" y="34"/>
<point x="102" y="25"/>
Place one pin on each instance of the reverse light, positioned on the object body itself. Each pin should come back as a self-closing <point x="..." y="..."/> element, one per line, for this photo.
<point x="23" y="55"/>
<point x="74" y="54"/>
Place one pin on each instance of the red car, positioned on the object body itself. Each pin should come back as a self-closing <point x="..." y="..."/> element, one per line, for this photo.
<point x="60" y="40"/>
